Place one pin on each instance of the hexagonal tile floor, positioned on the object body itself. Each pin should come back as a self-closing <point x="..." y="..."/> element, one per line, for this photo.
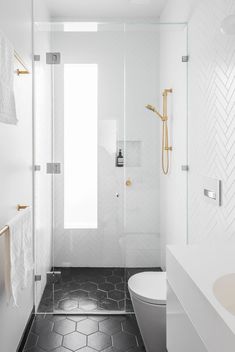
<point x="81" y="333"/>
<point x="88" y="290"/>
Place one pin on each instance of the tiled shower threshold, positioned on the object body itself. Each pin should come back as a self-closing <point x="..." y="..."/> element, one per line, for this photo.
<point x="90" y="291"/>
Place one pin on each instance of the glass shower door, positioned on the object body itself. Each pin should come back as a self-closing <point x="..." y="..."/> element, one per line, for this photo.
<point x="88" y="191"/>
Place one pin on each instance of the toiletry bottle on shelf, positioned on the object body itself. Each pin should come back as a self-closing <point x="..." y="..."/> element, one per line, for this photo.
<point x="120" y="159"/>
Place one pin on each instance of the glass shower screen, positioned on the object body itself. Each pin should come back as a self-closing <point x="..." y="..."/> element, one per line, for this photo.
<point x="98" y="185"/>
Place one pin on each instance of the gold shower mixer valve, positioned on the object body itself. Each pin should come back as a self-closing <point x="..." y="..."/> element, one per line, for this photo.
<point x="128" y="182"/>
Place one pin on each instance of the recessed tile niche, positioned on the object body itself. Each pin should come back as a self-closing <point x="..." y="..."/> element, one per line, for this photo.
<point x="132" y="152"/>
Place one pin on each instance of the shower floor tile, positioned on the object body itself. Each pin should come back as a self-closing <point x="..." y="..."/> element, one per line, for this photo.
<point x="89" y="290"/>
<point x="64" y="333"/>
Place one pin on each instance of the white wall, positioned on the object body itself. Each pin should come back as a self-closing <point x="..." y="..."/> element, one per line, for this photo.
<point x="16" y="163"/>
<point x="211" y="116"/>
<point x="134" y="224"/>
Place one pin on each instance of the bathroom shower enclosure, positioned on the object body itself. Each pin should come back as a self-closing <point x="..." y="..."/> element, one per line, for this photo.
<point x="98" y="222"/>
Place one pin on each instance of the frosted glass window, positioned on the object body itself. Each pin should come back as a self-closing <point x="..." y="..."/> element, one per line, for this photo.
<point x="80" y="145"/>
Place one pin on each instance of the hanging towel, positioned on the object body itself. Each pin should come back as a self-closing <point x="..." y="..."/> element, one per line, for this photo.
<point x="19" y="245"/>
<point x="7" y="98"/>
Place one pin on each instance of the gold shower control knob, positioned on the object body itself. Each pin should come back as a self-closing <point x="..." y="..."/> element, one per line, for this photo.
<point x="128" y="183"/>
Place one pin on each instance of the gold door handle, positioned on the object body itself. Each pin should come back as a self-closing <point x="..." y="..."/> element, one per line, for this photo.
<point x="128" y="183"/>
<point x="20" y="207"/>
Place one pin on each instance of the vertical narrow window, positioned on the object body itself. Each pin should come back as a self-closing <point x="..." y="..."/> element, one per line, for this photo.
<point x="80" y="145"/>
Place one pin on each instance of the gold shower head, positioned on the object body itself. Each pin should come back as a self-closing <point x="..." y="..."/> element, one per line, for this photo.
<point x="153" y="109"/>
<point x="150" y="107"/>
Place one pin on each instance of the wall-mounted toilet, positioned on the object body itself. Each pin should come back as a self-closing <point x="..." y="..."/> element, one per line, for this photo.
<point x="148" y="294"/>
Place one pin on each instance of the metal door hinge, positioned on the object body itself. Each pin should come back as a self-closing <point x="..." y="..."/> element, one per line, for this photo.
<point x="37" y="167"/>
<point x="53" y="168"/>
<point x="36" y="57"/>
<point x="53" y="58"/>
<point x="53" y="277"/>
<point x="37" y="277"/>
<point x="184" y="167"/>
<point x="185" y="58"/>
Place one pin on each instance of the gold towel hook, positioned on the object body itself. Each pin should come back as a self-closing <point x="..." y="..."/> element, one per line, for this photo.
<point x="20" y="207"/>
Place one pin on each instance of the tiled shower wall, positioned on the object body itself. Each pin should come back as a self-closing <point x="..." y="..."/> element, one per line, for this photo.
<point x="211" y="119"/>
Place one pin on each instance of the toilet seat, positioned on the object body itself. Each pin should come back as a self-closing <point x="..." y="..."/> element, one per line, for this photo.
<point x="149" y="287"/>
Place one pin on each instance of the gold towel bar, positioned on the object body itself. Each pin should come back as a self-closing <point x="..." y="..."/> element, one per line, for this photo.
<point x="20" y="207"/>
<point x="18" y="71"/>
<point x="4" y="230"/>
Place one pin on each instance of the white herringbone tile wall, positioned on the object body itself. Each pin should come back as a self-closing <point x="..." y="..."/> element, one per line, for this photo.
<point x="211" y="121"/>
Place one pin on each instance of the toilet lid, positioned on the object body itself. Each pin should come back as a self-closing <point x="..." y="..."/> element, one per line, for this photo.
<point x="149" y="287"/>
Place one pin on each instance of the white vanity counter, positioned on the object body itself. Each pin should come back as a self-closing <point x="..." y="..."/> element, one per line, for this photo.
<point x="191" y="273"/>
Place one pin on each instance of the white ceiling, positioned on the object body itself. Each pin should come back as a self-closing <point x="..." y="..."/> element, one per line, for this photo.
<point x="105" y="9"/>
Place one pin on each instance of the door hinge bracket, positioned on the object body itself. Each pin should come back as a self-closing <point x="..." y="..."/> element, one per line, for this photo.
<point x="53" y="58"/>
<point x="53" y="168"/>
<point x="185" y="58"/>
<point x="184" y="167"/>
<point x="53" y="277"/>
<point x="37" y="277"/>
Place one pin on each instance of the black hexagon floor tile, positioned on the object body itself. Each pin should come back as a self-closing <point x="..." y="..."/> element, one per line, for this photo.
<point x="77" y="318"/>
<point x="108" y="304"/>
<point x="98" y="294"/>
<point x="98" y="317"/>
<point x="34" y="349"/>
<point x="87" y="349"/>
<point x="107" y="287"/>
<point x="61" y="349"/>
<point x="106" y="333"/>
<point x="114" y="279"/>
<point x="110" y="326"/>
<point x="74" y="341"/>
<point x="88" y="305"/>
<point x="68" y="304"/>
<point x="40" y="325"/>
<point x="89" y="286"/>
<point x="49" y="341"/>
<point x="64" y="327"/>
<point x="124" y="341"/>
<point x="99" y="341"/>
<point x="87" y="326"/>
<point x="116" y="295"/>
<point x="31" y="340"/>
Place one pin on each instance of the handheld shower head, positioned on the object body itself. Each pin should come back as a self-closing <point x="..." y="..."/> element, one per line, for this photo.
<point x="153" y="109"/>
<point x="150" y="107"/>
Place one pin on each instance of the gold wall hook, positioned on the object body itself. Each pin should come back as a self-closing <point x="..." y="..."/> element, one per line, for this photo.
<point x="128" y="183"/>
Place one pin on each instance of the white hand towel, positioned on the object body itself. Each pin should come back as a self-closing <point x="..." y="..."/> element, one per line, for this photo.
<point x="20" y="245"/>
<point x="7" y="98"/>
